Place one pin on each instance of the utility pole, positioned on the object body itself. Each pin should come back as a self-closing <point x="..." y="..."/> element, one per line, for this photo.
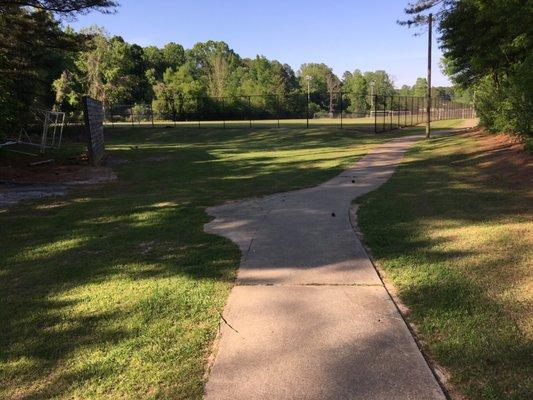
<point x="428" y="107"/>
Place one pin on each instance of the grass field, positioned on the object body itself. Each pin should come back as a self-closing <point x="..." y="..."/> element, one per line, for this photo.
<point x="115" y="291"/>
<point x="364" y="124"/>
<point x="457" y="242"/>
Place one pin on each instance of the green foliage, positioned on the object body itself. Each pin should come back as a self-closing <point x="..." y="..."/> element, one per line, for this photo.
<point x="179" y="91"/>
<point x="420" y="88"/>
<point x="62" y="7"/>
<point x="383" y="84"/>
<point x="46" y="66"/>
<point x="487" y="46"/>
<point x="357" y="88"/>
<point x="33" y="53"/>
<point x="320" y="79"/>
<point x="405" y="90"/>
<point x="507" y="106"/>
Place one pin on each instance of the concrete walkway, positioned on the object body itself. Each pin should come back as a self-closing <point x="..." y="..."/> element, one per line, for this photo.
<point x="309" y="316"/>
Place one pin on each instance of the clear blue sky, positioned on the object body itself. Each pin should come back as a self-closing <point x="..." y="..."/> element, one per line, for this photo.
<point x="345" y="34"/>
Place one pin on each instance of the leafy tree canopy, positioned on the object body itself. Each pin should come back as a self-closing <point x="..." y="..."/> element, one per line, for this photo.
<point x="61" y="6"/>
<point x="488" y="47"/>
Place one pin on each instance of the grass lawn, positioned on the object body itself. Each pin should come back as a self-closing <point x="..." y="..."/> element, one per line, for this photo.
<point x="115" y="290"/>
<point x="363" y="123"/>
<point x="454" y="232"/>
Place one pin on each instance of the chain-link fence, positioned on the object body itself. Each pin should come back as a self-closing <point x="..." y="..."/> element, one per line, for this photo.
<point x="393" y="112"/>
<point x="336" y="109"/>
<point x="266" y="110"/>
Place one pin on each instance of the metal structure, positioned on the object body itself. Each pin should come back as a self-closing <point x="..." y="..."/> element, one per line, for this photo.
<point x="393" y="112"/>
<point x="53" y="123"/>
<point x="277" y="110"/>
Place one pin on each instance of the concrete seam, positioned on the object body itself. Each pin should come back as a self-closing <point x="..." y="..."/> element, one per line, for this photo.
<point x="309" y="284"/>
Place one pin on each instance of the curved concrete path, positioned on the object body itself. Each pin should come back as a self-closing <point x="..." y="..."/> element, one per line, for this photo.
<point x="309" y="317"/>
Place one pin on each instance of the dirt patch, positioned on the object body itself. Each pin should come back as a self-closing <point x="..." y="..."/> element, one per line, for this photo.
<point x="503" y="157"/>
<point x="20" y="183"/>
<point x="13" y="194"/>
<point x="69" y="174"/>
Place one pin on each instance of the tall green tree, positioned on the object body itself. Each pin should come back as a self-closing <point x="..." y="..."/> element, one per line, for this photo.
<point x="405" y="91"/>
<point x="219" y="66"/>
<point x="106" y="68"/>
<point x="420" y="88"/>
<point x="488" y="47"/>
<point x="34" y="51"/>
<point x="357" y="91"/>
<point x="324" y="85"/>
<point x="271" y="80"/>
<point x="383" y="84"/>
<point x="179" y="92"/>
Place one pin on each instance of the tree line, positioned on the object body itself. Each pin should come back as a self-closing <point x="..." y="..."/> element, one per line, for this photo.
<point x="45" y="65"/>
<point x="487" y="47"/>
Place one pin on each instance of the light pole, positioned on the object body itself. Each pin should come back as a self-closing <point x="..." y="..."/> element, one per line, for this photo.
<point x="308" y="78"/>
<point x="372" y="105"/>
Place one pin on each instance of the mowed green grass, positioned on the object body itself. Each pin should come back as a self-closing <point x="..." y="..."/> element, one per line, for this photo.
<point x="115" y="291"/>
<point x="363" y="123"/>
<point x="456" y="238"/>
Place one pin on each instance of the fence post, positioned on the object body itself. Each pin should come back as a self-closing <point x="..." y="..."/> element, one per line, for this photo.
<point x="307" y="111"/>
<point x="341" y="110"/>
<point x="375" y="114"/>
<point x="198" y="111"/>
<point x="152" y="115"/>
<point x="250" y="110"/>
<point x="132" y="123"/>
<point x="412" y="109"/>
<point x="223" y="114"/>
<point x="398" y="109"/>
<point x="384" y="111"/>
<point x="405" y="108"/>
<point x="391" y="100"/>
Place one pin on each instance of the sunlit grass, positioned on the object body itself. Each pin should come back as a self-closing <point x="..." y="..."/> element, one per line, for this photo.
<point x="457" y="241"/>
<point x="115" y="290"/>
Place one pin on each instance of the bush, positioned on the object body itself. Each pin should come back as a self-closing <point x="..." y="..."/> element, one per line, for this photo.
<point x="508" y="105"/>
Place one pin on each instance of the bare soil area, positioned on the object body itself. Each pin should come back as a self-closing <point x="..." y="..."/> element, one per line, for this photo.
<point x="28" y="177"/>
<point x="503" y="156"/>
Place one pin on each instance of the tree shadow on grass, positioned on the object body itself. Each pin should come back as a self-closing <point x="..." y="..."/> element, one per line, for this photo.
<point x="101" y="271"/>
<point x="440" y="228"/>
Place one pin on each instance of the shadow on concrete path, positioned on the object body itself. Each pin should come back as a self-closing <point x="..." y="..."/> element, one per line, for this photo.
<point x="311" y="317"/>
